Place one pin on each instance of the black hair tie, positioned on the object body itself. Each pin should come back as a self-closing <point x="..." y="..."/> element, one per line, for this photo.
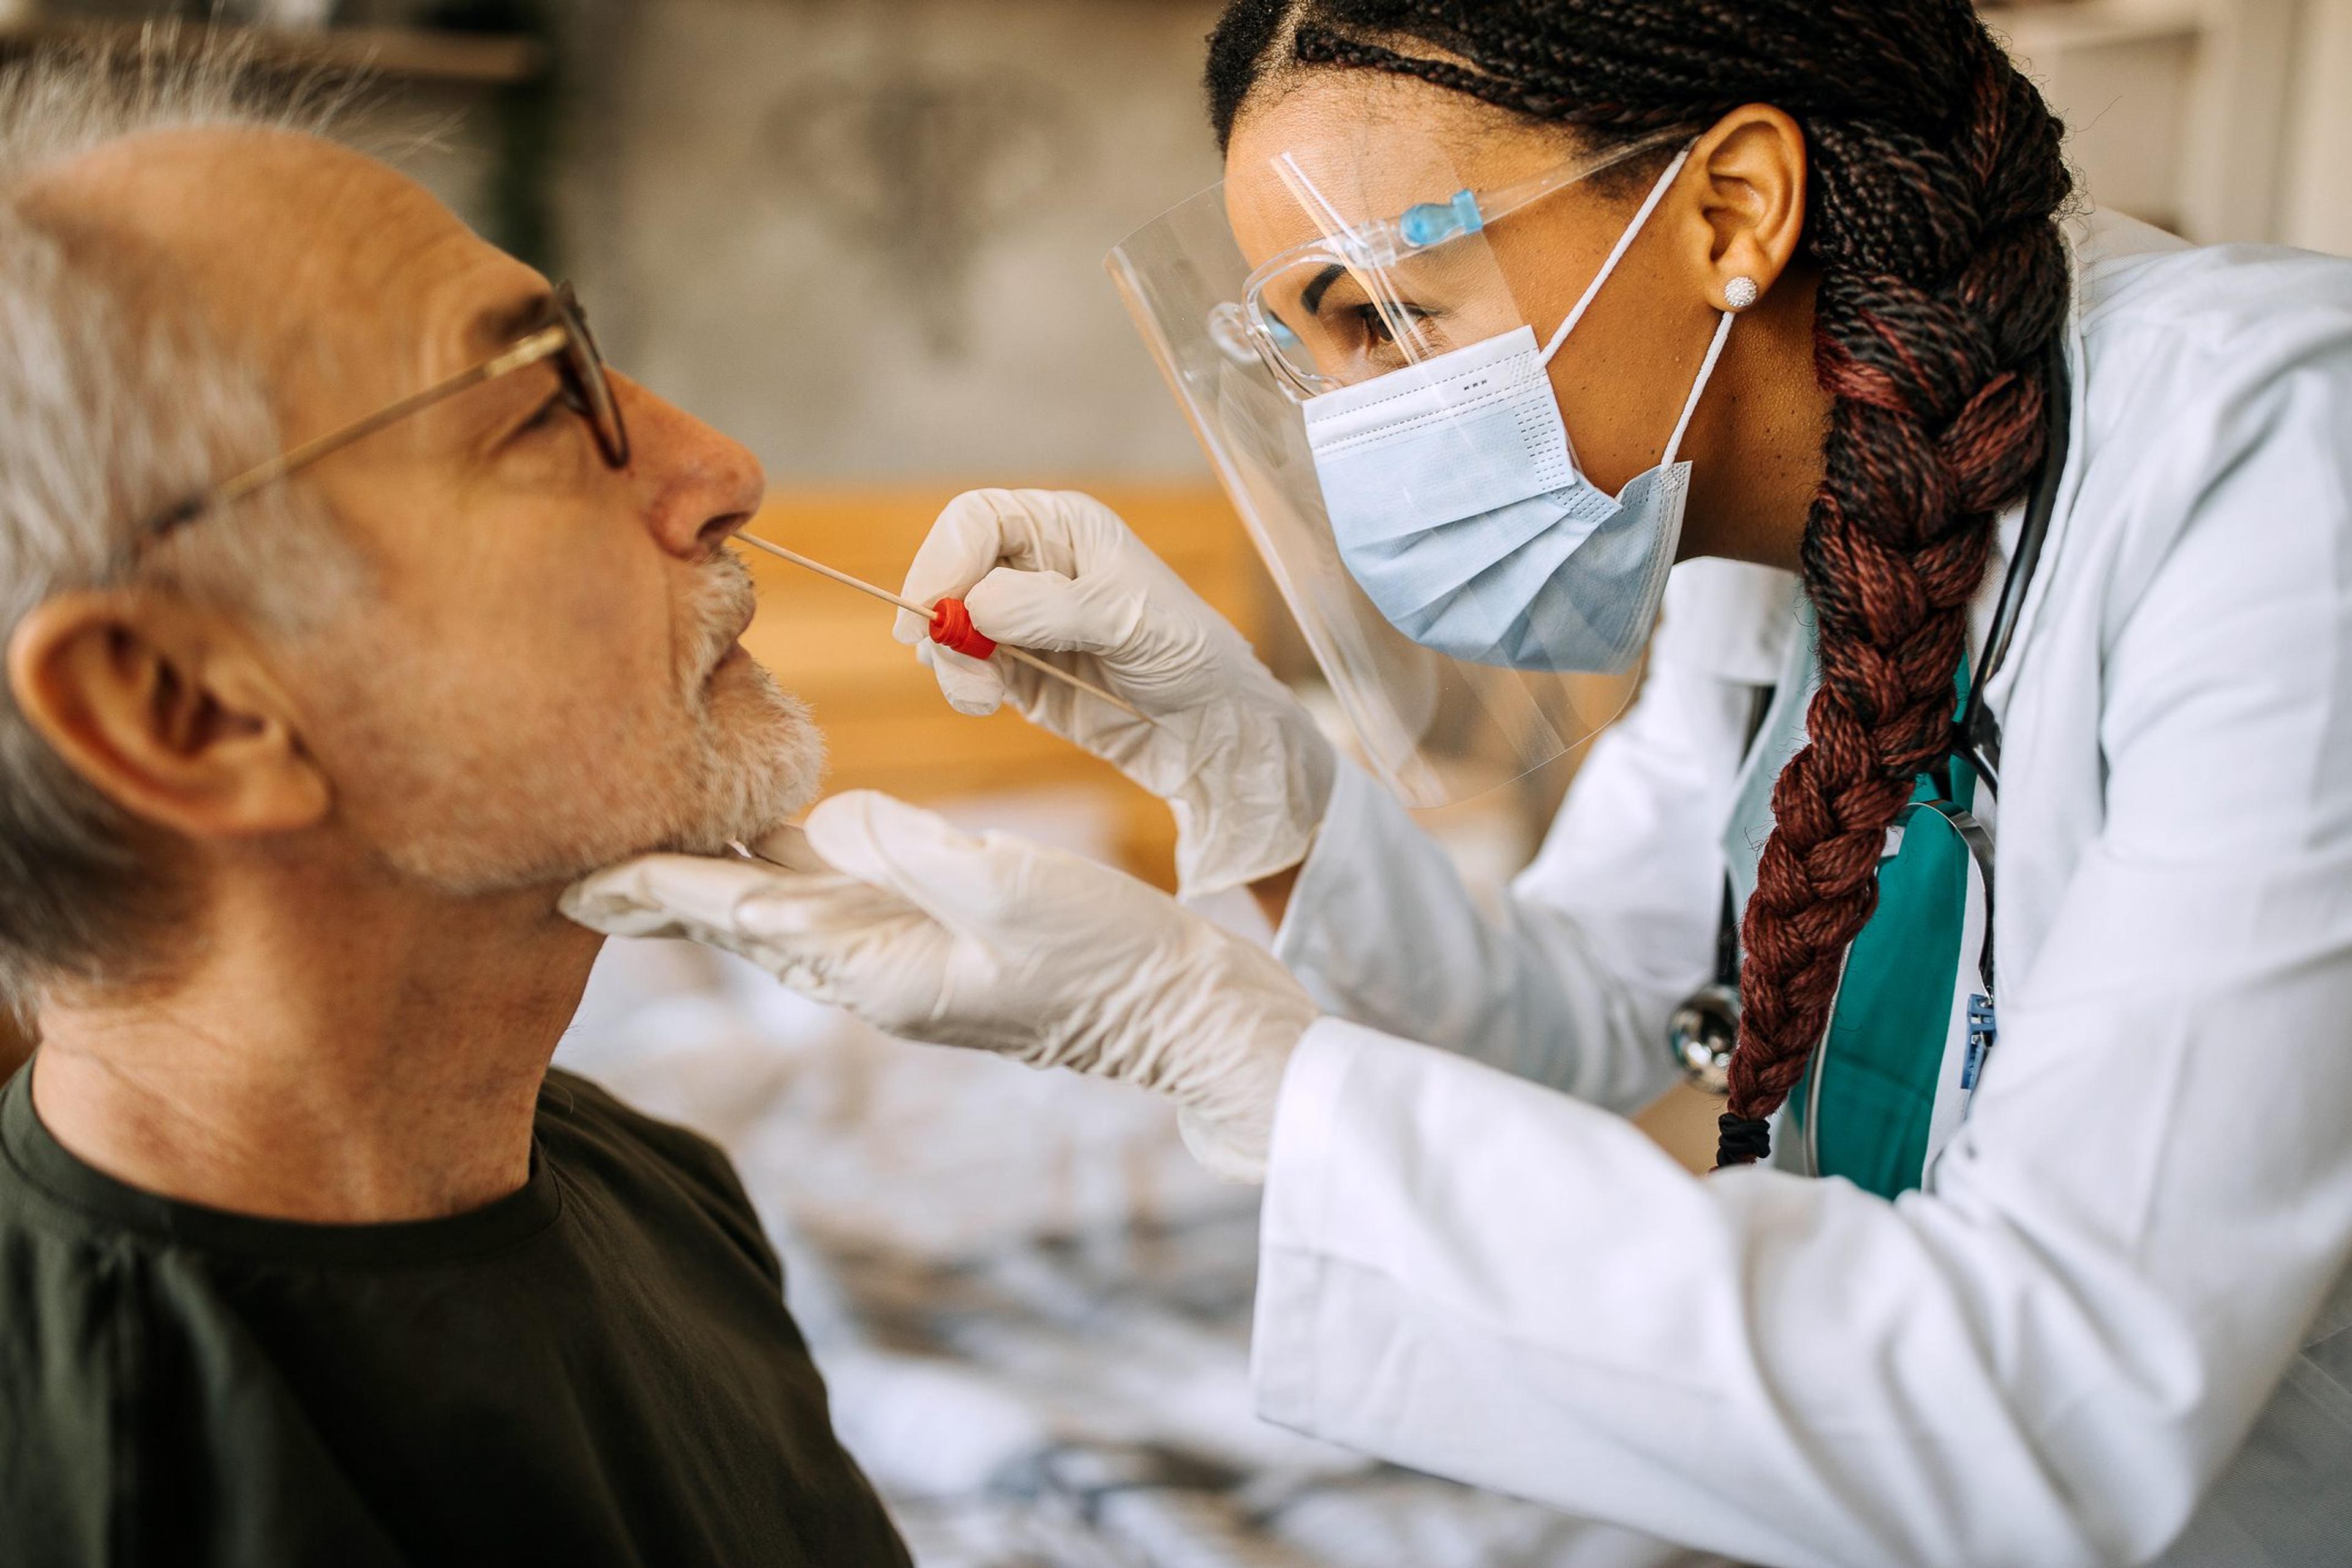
<point x="1744" y="1140"/>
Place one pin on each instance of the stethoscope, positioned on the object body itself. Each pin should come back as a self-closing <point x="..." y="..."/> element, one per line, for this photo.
<point x="1705" y="1027"/>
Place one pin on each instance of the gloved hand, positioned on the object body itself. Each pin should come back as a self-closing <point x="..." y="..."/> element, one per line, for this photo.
<point x="1239" y="761"/>
<point x="994" y="943"/>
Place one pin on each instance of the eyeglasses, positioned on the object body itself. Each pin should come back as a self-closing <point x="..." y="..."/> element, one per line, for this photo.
<point x="562" y="337"/>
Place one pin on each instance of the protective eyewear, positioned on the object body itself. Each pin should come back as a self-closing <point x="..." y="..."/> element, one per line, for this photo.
<point x="561" y="337"/>
<point x="1368" y="297"/>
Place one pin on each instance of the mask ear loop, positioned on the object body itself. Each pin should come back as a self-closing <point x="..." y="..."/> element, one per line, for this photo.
<point x="1698" y="388"/>
<point x="1624" y="243"/>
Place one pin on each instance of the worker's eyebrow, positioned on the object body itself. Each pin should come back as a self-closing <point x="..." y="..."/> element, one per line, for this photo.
<point x="1312" y="295"/>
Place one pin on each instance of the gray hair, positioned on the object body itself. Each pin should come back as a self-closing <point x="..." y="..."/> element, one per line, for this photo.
<point x="115" y="404"/>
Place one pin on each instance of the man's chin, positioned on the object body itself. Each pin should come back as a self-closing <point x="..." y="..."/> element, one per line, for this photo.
<point x="753" y="758"/>
<point x="763" y="760"/>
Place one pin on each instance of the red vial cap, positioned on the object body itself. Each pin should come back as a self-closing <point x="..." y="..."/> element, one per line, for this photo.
<point x="951" y="627"/>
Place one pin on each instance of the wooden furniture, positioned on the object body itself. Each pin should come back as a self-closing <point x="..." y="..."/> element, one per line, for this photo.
<point x="884" y="723"/>
<point x="15" y="1047"/>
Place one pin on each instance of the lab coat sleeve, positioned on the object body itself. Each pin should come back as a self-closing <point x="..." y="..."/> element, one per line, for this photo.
<point x="1569" y="978"/>
<point x="2049" y="1357"/>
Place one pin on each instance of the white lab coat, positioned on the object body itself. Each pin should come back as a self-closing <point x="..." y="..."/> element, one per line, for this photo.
<point x="2116" y="1326"/>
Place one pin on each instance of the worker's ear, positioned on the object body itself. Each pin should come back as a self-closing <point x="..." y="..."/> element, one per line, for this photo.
<point x="168" y="711"/>
<point x="1749" y="215"/>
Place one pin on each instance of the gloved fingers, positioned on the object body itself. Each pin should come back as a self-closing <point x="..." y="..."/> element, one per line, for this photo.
<point x="974" y="533"/>
<point x="1107" y="554"/>
<point x="835" y="939"/>
<point x="725" y="902"/>
<point x="1081" y="538"/>
<point x="799" y="908"/>
<point x="788" y="847"/>
<point x="830" y="936"/>
<point x="1049" y="612"/>
<point x="963" y="546"/>
<point x="1235" y="1153"/>
<point x="1095" y="537"/>
<point x="974" y="686"/>
<point x="982" y="887"/>
<point x="665" y="895"/>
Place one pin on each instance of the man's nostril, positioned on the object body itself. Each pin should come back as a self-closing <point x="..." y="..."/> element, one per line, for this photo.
<point x="714" y="534"/>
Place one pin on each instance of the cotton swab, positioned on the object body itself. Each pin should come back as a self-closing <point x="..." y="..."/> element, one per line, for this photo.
<point x="951" y="623"/>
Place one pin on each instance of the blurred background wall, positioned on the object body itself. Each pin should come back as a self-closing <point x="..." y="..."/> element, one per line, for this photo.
<point x="890" y="230"/>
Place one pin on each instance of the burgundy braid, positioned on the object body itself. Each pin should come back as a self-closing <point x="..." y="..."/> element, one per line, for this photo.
<point x="1936" y="182"/>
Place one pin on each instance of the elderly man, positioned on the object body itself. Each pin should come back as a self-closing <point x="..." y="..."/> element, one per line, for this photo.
<point x="352" y="609"/>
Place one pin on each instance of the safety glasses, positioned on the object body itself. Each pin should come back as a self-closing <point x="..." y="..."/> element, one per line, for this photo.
<point x="562" y="338"/>
<point x="1368" y="298"/>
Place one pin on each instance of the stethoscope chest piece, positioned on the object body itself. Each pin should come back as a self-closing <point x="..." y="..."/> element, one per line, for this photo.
<point x="1701" y="1035"/>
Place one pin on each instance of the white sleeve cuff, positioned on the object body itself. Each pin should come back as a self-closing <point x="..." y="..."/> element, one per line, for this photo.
<point x="1282" y="1364"/>
<point x="1355" y="796"/>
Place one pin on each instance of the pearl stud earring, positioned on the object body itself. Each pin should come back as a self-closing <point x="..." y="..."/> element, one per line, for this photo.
<point x="1741" y="292"/>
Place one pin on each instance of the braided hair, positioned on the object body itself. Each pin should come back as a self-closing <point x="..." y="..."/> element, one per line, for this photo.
<point x="1930" y="217"/>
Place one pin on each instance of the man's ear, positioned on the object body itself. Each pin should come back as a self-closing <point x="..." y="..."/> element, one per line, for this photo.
<point x="1751" y="199"/>
<point x="168" y="711"/>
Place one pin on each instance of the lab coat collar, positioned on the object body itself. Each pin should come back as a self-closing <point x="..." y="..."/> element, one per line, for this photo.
<point x="2089" y="238"/>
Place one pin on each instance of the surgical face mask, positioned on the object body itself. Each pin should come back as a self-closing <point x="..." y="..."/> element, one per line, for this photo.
<point x="1458" y="506"/>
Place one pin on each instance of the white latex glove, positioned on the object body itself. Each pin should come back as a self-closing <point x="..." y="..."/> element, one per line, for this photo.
<point x="1239" y="761"/>
<point x="994" y="943"/>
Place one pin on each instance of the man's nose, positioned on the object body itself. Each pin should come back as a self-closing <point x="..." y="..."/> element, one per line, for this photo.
<point x="702" y="486"/>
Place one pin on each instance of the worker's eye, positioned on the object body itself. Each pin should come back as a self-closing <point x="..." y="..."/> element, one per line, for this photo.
<point x="1375" y="326"/>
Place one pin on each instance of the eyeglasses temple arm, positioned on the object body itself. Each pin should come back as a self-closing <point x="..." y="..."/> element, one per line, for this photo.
<point x="1503" y="200"/>
<point x="543" y="344"/>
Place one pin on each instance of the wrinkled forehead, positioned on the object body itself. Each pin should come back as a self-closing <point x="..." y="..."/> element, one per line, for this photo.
<point x="345" y="278"/>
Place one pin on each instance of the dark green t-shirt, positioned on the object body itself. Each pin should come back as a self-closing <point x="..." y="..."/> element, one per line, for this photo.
<point x="598" y="1369"/>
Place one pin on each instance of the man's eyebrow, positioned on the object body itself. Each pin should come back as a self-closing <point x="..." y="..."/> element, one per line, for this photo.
<point x="499" y="325"/>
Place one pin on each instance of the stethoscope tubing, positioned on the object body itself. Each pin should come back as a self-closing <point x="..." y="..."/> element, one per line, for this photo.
<point x="1976" y="733"/>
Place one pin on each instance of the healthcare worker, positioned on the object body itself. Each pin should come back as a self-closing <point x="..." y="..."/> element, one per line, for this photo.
<point x="1990" y="777"/>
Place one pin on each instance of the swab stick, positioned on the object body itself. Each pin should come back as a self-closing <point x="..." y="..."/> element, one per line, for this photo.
<point x="950" y="625"/>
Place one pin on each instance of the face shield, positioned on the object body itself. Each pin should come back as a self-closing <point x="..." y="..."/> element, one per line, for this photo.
<point x="1342" y="333"/>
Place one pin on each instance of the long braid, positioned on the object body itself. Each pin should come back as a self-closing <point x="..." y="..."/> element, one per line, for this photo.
<point x="1936" y="181"/>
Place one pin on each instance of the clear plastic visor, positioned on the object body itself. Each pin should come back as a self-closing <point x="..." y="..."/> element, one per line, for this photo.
<point x="1370" y="295"/>
<point x="1353" y="277"/>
